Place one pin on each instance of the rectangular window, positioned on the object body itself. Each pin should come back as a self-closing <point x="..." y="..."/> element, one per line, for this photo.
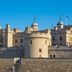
<point x="53" y="38"/>
<point x="21" y="40"/>
<point x="40" y="50"/>
<point x="15" y="41"/>
<point x="60" y="37"/>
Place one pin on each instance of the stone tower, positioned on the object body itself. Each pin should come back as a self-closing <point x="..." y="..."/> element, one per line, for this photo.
<point x="39" y="45"/>
<point x="9" y="36"/>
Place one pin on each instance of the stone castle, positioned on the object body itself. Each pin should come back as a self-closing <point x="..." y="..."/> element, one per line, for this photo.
<point x="48" y="43"/>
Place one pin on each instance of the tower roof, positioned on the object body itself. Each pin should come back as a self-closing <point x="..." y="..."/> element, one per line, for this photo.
<point x="60" y="23"/>
<point x="34" y="23"/>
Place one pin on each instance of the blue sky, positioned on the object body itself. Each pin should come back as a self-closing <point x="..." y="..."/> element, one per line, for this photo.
<point x="20" y="13"/>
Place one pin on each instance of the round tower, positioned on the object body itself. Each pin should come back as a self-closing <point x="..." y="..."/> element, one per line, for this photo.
<point x="38" y="43"/>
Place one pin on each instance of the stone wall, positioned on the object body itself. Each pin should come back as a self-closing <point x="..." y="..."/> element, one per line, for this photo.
<point x="60" y="52"/>
<point x="5" y="65"/>
<point x="47" y="65"/>
<point x="11" y="52"/>
<point x="38" y="65"/>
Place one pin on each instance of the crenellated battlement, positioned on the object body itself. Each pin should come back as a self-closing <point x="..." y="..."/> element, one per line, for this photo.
<point x="37" y="34"/>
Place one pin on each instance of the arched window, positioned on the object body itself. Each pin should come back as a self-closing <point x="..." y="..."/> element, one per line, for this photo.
<point x="50" y="56"/>
<point x="53" y="56"/>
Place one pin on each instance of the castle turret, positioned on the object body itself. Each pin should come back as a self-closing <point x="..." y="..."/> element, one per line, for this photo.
<point x="9" y="36"/>
<point x="37" y="44"/>
<point x="60" y="25"/>
<point x="7" y="27"/>
<point x="34" y="25"/>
